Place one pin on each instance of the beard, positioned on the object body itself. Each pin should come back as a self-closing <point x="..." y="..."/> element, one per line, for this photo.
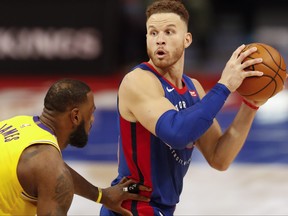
<point x="79" y="137"/>
<point x="168" y="60"/>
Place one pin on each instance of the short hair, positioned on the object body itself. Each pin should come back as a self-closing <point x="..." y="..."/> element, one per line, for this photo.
<point x="66" y="93"/>
<point x="168" y="6"/>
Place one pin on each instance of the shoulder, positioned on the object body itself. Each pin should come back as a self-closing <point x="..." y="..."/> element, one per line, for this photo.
<point x="40" y="160"/>
<point x="139" y="80"/>
<point x="39" y="165"/>
<point x="140" y="75"/>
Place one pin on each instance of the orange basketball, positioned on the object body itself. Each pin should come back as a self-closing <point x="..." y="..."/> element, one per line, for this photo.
<point x="272" y="81"/>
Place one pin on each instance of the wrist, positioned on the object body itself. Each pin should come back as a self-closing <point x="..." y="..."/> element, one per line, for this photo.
<point x="229" y="87"/>
<point x="252" y="106"/>
<point x="221" y="87"/>
<point x="100" y="193"/>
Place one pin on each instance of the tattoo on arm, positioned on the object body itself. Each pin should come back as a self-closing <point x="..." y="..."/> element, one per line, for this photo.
<point x="61" y="195"/>
<point x="31" y="152"/>
<point x="64" y="192"/>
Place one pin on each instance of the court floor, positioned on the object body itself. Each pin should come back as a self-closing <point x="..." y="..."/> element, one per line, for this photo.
<point x="244" y="189"/>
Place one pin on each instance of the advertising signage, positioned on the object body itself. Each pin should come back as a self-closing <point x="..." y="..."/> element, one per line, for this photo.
<point x="59" y="36"/>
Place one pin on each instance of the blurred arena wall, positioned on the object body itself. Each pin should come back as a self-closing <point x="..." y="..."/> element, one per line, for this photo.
<point x="266" y="143"/>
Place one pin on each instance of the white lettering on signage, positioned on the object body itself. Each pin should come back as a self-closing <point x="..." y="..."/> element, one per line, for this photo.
<point x="50" y="43"/>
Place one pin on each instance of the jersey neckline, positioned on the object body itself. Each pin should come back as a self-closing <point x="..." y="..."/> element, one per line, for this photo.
<point x="180" y="91"/>
<point x="37" y="121"/>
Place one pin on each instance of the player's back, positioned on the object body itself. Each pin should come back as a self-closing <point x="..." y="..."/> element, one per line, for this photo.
<point x="18" y="133"/>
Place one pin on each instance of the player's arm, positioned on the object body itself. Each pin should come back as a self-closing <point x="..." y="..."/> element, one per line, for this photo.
<point x="111" y="197"/>
<point x="141" y="98"/>
<point x="43" y="174"/>
<point x="218" y="150"/>
<point x="221" y="149"/>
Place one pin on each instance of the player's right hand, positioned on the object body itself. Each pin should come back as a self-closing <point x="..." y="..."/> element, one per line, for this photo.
<point x="234" y="73"/>
<point x="115" y="195"/>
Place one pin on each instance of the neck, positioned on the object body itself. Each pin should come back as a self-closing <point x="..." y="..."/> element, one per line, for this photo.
<point x="48" y="122"/>
<point x="172" y="73"/>
<point x="49" y="119"/>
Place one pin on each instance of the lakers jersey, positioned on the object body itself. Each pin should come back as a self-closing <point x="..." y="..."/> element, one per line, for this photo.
<point x="147" y="159"/>
<point x="16" y="134"/>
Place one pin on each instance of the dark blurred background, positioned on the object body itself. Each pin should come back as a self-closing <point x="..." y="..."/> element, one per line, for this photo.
<point x="102" y="38"/>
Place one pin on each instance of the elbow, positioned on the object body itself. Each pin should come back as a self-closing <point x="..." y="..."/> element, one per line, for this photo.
<point x="175" y="139"/>
<point x="177" y="142"/>
<point x="220" y="166"/>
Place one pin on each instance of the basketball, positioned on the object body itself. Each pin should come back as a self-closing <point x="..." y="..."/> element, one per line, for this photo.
<point x="272" y="81"/>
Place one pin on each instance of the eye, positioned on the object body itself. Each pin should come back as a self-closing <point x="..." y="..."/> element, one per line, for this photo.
<point x="169" y="32"/>
<point x="153" y="33"/>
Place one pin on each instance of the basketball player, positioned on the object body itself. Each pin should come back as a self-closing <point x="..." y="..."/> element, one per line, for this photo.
<point x="164" y="114"/>
<point x="33" y="177"/>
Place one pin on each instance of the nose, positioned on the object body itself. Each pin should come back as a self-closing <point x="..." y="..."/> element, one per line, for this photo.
<point x="160" y="39"/>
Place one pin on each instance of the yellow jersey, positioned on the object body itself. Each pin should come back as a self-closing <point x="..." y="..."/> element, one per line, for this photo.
<point x="16" y="134"/>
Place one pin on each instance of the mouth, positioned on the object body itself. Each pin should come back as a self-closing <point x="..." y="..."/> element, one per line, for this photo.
<point x="160" y="53"/>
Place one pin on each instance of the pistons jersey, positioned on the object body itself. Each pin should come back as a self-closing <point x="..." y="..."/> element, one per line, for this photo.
<point x="150" y="161"/>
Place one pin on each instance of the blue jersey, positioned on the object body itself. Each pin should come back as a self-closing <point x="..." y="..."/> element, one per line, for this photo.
<point x="148" y="160"/>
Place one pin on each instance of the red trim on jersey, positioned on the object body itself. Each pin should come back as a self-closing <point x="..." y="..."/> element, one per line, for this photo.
<point x="136" y="145"/>
<point x="136" y="148"/>
<point x="143" y="153"/>
<point x="180" y="91"/>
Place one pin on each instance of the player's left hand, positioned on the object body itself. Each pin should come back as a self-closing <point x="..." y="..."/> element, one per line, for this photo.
<point x="115" y="195"/>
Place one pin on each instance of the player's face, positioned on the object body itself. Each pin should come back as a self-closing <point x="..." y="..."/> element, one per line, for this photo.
<point x="79" y="137"/>
<point x="166" y="39"/>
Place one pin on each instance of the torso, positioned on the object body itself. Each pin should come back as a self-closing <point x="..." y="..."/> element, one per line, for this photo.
<point x="145" y="158"/>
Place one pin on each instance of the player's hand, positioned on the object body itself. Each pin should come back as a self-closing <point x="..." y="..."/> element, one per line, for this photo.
<point x="234" y="73"/>
<point x="115" y="195"/>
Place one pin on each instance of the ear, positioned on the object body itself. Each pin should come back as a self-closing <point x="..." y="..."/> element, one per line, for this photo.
<point x="188" y="39"/>
<point x="75" y="116"/>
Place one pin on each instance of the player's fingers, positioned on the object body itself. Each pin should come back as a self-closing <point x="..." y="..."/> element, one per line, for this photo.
<point x="123" y="180"/>
<point x="237" y="52"/>
<point x="252" y="73"/>
<point x="134" y="187"/>
<point x="251" y="62"/>
<point x="144" y="188"/>
<point x="127" y="182"/>
<point x="246" y="53"/>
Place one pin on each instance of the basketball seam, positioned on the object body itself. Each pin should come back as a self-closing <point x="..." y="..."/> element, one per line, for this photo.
<point x="272" y="80"/>
<point x="278" y="65"/>
<point x="276" y="69"/>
